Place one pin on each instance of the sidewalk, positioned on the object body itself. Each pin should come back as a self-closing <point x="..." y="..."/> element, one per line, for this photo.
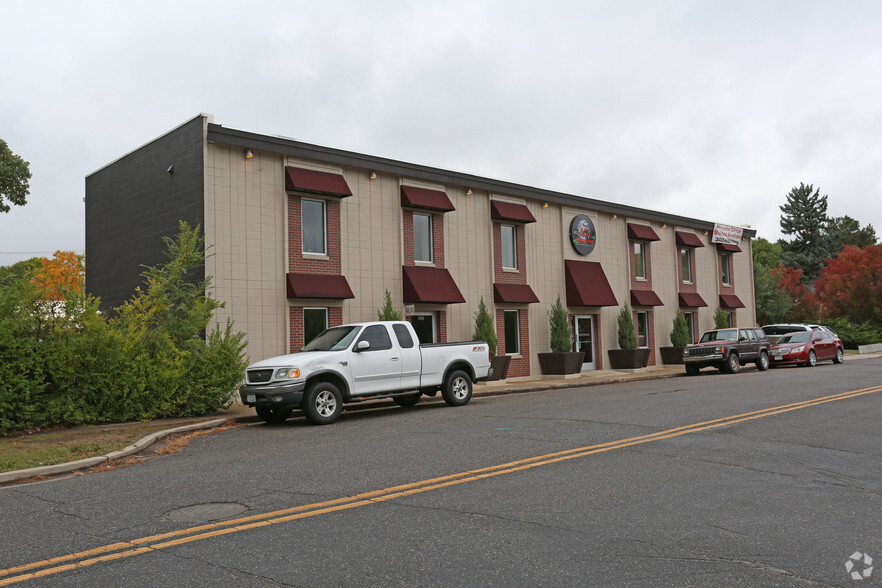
<point x="246" y="415"/>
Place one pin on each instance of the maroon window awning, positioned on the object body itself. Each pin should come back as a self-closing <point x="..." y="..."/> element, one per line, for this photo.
<point x="691" y="300"/>
<point x="729" y="248"/>
<point x="318" y="286"/>
<point x="587" y="284"/>
<point x="641" y="233"/>
<point x="514" y="294"/>
<point x="316" y="182"/>
<point x="430" y="285"/>
<point x="730" y="301"/>
<point x="688" y="239"/>
<point x="645" y="298"/>
<point x="425" y="198"/>
<point x="511" y="212"/>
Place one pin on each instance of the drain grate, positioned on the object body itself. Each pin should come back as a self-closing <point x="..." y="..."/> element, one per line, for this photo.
<point x="201" y="513"/>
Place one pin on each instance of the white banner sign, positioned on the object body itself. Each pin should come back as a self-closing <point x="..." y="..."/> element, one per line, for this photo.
<point x="727" y="235"/>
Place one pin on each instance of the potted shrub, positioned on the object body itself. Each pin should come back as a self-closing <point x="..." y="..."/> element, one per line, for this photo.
<point x="679" y="340"/>
<point x="561" y="360"/>
<point x="484" y="331"/>
<point x="629" y="356"/>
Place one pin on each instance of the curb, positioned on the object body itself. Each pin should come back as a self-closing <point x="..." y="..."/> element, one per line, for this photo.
<point x="62" y="468"/>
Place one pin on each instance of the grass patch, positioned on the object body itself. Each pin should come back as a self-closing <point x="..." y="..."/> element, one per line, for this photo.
<point x="65" y="445"/>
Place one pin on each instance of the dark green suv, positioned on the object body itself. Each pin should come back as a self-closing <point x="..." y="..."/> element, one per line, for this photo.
<point x="728" y="350"/>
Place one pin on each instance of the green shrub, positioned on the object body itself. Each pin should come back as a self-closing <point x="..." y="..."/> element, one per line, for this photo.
<point x="854" y="335"/>
<point x="388" y="312"/>
<point x="484" y="329"/>
<point x="559" y="323"/>
<point x="680" y="331"/>
<point x="721" y="318"/>
<point x="627" y="331"/>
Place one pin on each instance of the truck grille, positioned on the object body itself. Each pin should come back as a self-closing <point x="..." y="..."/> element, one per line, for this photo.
<point x="259" y="376"/>
<point x="701" y="351"/>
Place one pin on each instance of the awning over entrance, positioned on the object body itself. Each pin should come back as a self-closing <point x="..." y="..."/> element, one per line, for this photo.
<point x="425" y="198"/>
<point x="730" y="301"/>
<point x="641" y="233"/>
<point x="645" y="298"/>
<point x="512" y="212"/>
<point x="514" y="294"/>
<point x="430" y="285"/>
<point x="729" y="248"/>
<point x="316" y="182"/>
<point x="691" y="300"/>
<point x="587" y="284"/>
<point x="318" y="286"/>
<point x="688" y="239"/>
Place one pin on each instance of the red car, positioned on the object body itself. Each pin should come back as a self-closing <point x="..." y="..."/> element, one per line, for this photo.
<point x="806" y="348"/>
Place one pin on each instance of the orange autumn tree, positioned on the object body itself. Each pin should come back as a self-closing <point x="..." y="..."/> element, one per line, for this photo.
<point x="61" y="277"/>
<point x="805" y="303"/>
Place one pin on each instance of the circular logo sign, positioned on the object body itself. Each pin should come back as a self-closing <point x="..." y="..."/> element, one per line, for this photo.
<point x="582" y="234"/>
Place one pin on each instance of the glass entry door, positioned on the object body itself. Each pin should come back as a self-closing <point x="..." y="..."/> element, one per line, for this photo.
<point x="584" y="332"/>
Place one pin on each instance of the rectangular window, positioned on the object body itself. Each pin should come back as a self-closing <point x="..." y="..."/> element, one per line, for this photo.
<point x="642" y="328"/>
<point x="512" y="326"/>
<point x="640" y="260"/>
<point x="686" y="263"/>
<point x="422" y="237"/>
<point x="724" y="269"/>
<point x="313" y="226"/>
<point x="509" y="246"/>
<point x="315" y="320"/>
<point x="690" y="322"/>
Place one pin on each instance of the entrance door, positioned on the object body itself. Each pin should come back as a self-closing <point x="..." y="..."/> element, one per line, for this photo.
<point x="585" y="340"/>
<point x="424" y="325"/>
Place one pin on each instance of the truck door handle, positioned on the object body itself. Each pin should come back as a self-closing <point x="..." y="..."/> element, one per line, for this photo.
<point x="394" y="359"/>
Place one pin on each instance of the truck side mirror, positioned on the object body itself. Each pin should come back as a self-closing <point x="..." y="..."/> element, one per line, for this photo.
<point x="363" y="345"/>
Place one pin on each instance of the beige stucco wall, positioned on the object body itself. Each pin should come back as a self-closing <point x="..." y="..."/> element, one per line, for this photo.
<point x="246" y="227"/>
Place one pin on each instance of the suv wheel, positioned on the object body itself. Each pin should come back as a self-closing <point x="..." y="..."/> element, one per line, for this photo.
<point x="762" y="364"/>
<point x="839" y="356"/>
<point x="733" y="365"/>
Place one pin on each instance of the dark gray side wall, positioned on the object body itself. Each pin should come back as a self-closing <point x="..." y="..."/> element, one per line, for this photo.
<point x="134" y="202"/>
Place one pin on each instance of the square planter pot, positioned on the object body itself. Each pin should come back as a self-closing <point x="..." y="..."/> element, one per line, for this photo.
<point x="499" y="363"/>
<point x="672" y="355"/>
<point x="561" y="363"/>
<point x="628" y="359"/>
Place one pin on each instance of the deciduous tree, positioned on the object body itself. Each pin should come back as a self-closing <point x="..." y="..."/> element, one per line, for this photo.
<point x="851" y="285"/>
<point x="61" y="277"/>
<point x="805" y="303"/>
<point x="14" y="176"/>
<point x="845" y="230"/>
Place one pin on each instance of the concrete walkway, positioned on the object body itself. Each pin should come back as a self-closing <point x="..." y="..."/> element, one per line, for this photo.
<point x="246" y="415"/>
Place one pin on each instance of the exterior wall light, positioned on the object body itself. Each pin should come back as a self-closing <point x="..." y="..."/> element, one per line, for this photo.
<point x="468" y="191"/>
<point x="373" y="175"/>
<point x="249" y="154"/>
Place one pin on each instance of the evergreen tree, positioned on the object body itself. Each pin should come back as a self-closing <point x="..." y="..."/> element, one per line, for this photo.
<point x="484" y="329"/>
<point x="804" y="216"/>
<point x="388" y="312"/>
<point x="845" y="230"/>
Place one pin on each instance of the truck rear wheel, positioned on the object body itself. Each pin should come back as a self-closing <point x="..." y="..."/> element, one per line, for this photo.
<point x="322" y="403"/>
<point x="457" y="389"/>
<point x="762" y="364"/>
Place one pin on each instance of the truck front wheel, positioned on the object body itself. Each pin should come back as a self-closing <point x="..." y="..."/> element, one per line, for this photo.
<point x="733" y="364"/>
<point x="457" y="389"/>
<point x="322" y="403"/>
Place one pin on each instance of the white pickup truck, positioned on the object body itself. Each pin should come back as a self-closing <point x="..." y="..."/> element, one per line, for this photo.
<point x="362" y="361"/>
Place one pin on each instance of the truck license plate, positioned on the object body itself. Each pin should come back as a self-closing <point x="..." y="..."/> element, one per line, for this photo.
<point x="251" y="398"/>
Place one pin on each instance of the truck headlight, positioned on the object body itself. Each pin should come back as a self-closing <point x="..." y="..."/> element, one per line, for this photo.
<point x="288" y="373"/>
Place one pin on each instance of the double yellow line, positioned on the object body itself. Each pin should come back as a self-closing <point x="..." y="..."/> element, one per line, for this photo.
<point x="125" y="549"/>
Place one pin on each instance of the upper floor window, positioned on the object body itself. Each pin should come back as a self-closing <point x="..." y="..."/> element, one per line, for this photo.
<point x="686" y="264"/>
<point x="422" y="237"/>
<point x="640" y="260"/>
<point x="725" y="270"/>
<point x="508" y="234"/>
<point x="313" y="226"/>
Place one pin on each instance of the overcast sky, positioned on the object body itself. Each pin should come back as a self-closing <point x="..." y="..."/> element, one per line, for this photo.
<point x="710" y="109"/>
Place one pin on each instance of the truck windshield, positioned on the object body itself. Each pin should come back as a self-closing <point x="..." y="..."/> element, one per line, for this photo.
<point x="333" y="339"/>
<point x="722" y="335"/>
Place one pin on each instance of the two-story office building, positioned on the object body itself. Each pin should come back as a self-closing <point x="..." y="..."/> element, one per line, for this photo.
<point x="301" y="237"/>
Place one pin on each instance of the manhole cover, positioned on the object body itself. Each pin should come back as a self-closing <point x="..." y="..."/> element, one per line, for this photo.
<point x="211" y="511"/>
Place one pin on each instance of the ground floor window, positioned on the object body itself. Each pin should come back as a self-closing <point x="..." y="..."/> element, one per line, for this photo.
<point x="425" y="326"/>
<point x="511" y="324"/>
<point x="315" y="320"/>
<point x="642" y="328"/>
<point x="690" y="324"/>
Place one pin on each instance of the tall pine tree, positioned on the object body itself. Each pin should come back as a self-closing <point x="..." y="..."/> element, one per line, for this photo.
<point x="804" y="216"/>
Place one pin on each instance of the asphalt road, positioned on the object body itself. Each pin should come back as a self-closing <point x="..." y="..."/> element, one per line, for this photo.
<point x="674" y="482"/>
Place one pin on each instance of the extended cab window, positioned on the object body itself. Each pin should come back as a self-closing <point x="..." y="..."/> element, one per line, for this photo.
<point x="403" y="335"/>
<point x="377" y="336"/>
